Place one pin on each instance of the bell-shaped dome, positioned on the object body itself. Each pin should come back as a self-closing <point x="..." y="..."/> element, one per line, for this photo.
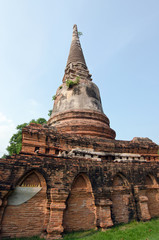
<point x="77" y="106"/>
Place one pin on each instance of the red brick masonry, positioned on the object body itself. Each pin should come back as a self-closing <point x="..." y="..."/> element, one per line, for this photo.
<point x="86" y="183"/>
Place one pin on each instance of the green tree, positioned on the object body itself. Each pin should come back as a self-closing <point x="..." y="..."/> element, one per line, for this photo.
<point x="15" y="143"/>
<point x="39" y="121"/>
<point x="4" y="156"/>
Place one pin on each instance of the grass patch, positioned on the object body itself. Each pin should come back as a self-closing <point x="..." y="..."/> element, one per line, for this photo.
<point x="132" y="231"/>
<point x="24" y="238"/>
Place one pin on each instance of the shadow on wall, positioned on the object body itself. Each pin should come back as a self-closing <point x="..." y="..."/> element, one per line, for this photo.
<point x="152" y="194"/>
<point x="121" y="200"/>
<point x="80" y="212"/>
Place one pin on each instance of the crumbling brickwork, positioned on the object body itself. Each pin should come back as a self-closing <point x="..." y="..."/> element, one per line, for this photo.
<point x="103" y="193"/>
<point x="72" y="173"/>
<point x="80" y="212"/>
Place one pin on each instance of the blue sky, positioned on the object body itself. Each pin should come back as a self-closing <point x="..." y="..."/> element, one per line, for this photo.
<point x="121" y="46"/>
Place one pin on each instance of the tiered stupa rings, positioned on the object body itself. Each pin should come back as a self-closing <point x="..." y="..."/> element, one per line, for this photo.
<point x="77" y="106"/>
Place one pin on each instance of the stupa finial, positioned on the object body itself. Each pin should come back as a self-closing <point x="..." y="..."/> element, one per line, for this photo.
<point x="76" y="53"/>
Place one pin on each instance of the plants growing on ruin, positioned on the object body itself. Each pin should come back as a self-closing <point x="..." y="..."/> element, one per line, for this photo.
<point x="70" y="83"/>
<point x="54" y="97"/>
<point x="49" y="113"/>
<point x="80" y="34"/>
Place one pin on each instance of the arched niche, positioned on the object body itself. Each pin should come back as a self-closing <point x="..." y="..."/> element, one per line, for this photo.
<point x="121" y="199"/>
<point x="152" y="193"/>
<point x="120" y="180"/>
<point x="150" y="180"/>
<point x="26" y="207"/>
<point x="80" y="212"/>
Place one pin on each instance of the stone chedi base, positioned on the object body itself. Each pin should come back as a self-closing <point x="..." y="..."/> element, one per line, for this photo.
<point x="71" y="173"/>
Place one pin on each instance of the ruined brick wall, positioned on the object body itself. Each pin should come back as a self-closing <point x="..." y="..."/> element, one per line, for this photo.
<point x="120" y="200"/>
<point x="152" y="193"/>
<point x="26" y="219"/>
<point x="153" y="202"/>
<point x="79" y="182"/>
<point x="107" y="179"/>
<point x="80" y="212"/>
<point x="46" y="140"/>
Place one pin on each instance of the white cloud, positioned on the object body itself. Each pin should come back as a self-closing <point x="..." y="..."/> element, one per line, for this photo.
<point x="7" y="128"/>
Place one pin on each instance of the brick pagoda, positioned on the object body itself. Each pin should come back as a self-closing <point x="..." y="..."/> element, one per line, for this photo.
<point x="72" y="174"/>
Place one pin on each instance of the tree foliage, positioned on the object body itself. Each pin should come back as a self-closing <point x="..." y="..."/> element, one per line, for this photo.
<point x="15" y="143"/>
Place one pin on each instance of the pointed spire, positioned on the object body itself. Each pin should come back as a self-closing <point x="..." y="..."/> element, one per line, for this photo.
<point x="76" y="65"/>
<point x="75" y="54"/>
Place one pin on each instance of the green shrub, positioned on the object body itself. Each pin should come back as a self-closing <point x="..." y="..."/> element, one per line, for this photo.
<point x="54" y="97"/>
<point x="80" y="34"/>
<point x="49" y="113"/>
<point x="70" y="83"/>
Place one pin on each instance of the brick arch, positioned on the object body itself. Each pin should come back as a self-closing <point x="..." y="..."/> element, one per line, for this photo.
<point x="41" y="174"/>
<point x="82" y="181"/>
<point x="121" y="199"/>
<point x="120" y="180"/>
<point x="26" y="218"/>
<point x="150" y="179"/>
<point x="152" y="193"/>
<point x="80" y="212"/>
